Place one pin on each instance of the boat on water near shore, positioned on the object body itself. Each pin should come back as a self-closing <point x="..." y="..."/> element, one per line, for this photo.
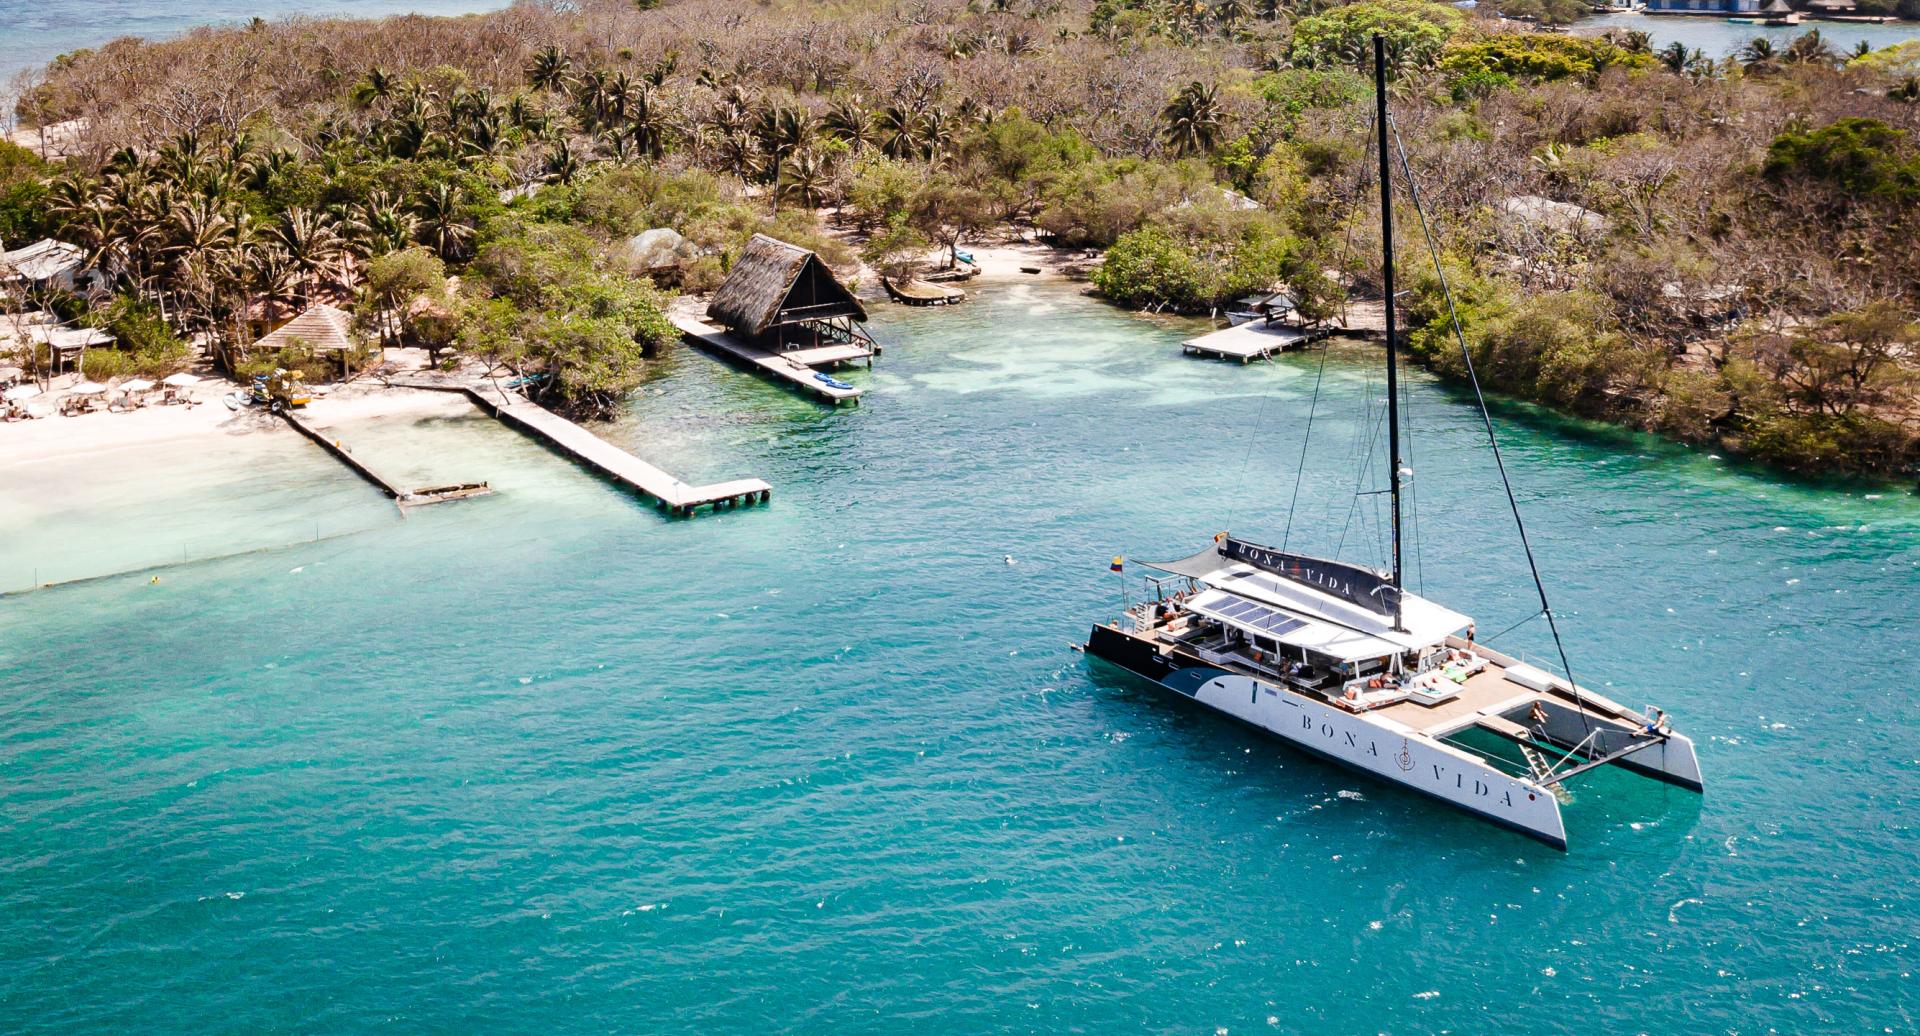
<point x="1342" y="660"/>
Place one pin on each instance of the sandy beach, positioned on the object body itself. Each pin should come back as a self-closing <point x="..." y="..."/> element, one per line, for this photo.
<point x="1002" y="258"/>
<point x="78" y="441"/>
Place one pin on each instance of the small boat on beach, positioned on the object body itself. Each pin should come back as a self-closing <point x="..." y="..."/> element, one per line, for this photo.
<point x="1341" y="659"/>
<point x="914" y="292"/>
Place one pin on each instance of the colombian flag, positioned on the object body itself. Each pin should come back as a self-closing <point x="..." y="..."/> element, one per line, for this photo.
<point x="1118" y="563"/>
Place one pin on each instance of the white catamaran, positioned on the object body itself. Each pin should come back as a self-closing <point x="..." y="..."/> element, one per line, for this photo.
<point x="1343" y="661"/>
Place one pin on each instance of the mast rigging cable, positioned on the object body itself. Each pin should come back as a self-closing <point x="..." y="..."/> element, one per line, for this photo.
<point x="1480" y="399"/>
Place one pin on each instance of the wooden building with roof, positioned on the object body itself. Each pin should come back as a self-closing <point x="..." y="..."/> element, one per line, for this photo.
<point x="781" y="297"/>
<point x="320" y="330"/>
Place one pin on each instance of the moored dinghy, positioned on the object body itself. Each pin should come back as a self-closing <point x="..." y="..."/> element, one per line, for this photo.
<point x="1344" y="661"/>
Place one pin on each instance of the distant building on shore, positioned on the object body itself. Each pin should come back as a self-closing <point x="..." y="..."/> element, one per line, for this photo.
<point x="781" y="296"/>
<point x="47" y="264"/>
<point x="1738" y="7"/>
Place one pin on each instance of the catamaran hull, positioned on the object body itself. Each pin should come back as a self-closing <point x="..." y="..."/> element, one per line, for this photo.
<point x="1378" y="748"/>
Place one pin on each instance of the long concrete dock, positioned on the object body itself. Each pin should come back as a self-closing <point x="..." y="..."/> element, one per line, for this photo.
<point x="1250" y="341"/>
<point x="796" y="367"/>
<point x="403" y="497"/>
<point x="513" y="409"/>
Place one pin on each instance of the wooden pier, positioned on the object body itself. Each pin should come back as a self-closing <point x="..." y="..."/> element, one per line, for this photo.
<point x="796" y="367"/>
<point x="403" y="497"/>
<point x="1250" y="341"/>
<point x="612" y="462"/>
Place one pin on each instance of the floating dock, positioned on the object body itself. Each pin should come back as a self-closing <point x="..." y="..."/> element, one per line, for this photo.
<point x="403" y="497"/>
<point x="796" y="367"/>
<point x="1250" y="341"/>
<point x="611" y="461"/>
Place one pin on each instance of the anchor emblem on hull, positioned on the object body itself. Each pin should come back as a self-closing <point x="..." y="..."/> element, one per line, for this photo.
<point x="1405" y="758"/>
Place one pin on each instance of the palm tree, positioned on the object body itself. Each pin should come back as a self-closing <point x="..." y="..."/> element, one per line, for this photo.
<point x="782" y="130"/>
<point x="311" y="244"/>
<point x="380" y="225"/>
<point x="647" y="123"/>
<point x="407" y="136"/>
<point x="549" y="69"/>
<point x="1862" y="49"/>
<point x="523" y="116"/>
<point x="483" y="135"/>
<point x="849" y="121"/>
<point x="1810" y="48"/>
<point x="619" y="96"/>
<point x="1759" y="55"/>
<point x="441" y="224"/>
<point x="807" y="178"/>
<point x="1634" y="41"/>
<point x="939" y="134"/>
<point x="376" y="87"/>
<point x="738" y="151"/>
<point x="1673" y="57"/>
<point x="902" y="132"/>
<point x="562" y="164"/>
<point x="1192" y="119"/>
<point x="1230" y="13"/>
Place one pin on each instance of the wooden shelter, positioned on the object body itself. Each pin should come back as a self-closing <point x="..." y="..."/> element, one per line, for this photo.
<point x="320" y="329"/>
<point x="782" y="297"/>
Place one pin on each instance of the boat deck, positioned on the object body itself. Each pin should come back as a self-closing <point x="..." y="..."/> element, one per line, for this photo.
<point x="1250" y="341"/>
<point x="1479" y="700"/>
<point x="1486" y="692"/>
<point x="795" y="367"/>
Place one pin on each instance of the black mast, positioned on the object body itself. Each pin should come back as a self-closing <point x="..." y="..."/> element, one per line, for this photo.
<point x="1386" y="243"/>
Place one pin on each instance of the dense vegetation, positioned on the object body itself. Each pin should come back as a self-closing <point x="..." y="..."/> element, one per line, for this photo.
<point x="1716" y="249"/>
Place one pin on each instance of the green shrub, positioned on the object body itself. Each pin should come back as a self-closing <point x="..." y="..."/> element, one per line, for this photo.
<point x="1861" y="157"/>
<point x="1536" y="56"/>
<point x="1416" y="30"/>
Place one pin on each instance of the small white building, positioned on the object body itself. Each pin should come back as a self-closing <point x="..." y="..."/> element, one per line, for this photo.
<point x="47" y="264"/>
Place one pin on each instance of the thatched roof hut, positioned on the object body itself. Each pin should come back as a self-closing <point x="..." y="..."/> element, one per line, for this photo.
<point x="321" y="328"/>
<point x="775" y="288"/>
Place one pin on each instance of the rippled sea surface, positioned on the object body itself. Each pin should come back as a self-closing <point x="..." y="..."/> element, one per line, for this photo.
<point x="545" y="761"/>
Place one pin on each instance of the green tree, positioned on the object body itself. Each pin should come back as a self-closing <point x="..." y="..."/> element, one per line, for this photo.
<point x="393" y="284"/>
<point x="1863" y="158"/>
<point x="1415" y="30"/>
<point x="1191" y="121"/>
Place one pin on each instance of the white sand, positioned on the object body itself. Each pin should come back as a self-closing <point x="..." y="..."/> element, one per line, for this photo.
<point x="74" y="439"/>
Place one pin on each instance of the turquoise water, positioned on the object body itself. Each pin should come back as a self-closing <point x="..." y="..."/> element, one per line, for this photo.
<point x="33" y="32"/>
<point x="547" y="761"/>
<point x="1718" y="37"/>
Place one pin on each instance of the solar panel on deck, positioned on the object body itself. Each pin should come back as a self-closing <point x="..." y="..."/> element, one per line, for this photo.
<point x="1250" y="614"/>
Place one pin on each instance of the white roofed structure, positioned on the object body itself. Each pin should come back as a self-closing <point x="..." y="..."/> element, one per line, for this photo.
<point x="1325" y="623"/>
<point x="43" y="262"/>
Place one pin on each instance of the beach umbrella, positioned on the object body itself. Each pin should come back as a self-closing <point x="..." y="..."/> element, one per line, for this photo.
<point x="136" y="385"/>
<point x="181" y="380"/>
<point x="87" y="388"/>
<point x="20" y="392"/>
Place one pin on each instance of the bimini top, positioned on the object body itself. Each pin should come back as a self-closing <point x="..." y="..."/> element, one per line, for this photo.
<point x="775" y="283"/>
<point x="1331" y="622"/>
